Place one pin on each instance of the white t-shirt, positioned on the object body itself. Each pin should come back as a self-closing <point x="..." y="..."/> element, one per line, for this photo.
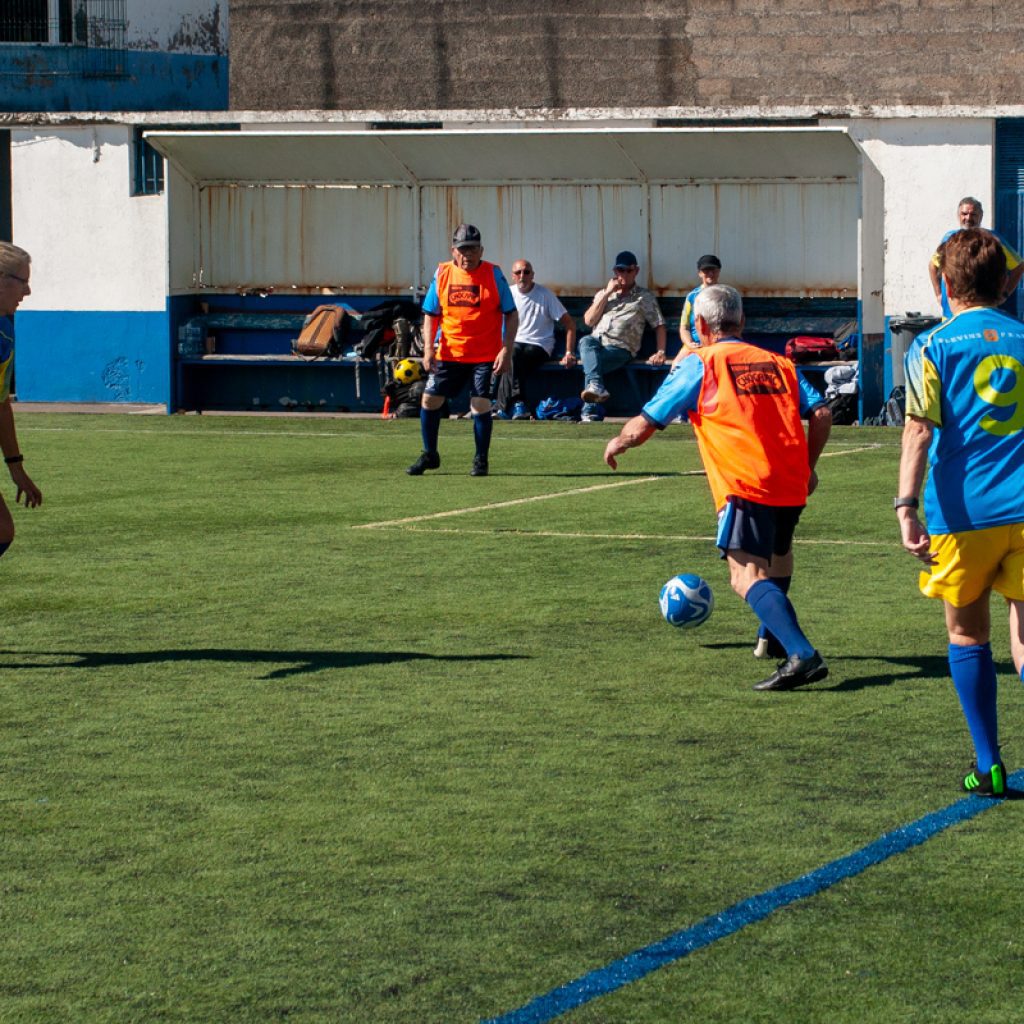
<point x="539" y="311"/>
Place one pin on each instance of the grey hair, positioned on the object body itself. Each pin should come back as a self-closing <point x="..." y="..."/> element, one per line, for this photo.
<point x="972" y="201"/>
<point x="12" y="257"/>
<point x="721" y="308"/>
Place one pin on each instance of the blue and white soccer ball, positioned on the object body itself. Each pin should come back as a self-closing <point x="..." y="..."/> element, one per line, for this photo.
<point x="686" y="601"/>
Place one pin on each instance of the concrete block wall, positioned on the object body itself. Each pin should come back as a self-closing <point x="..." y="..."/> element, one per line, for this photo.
<point x="446" y="54"/>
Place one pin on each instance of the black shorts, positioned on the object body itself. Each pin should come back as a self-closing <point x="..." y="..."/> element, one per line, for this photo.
<point x="761" y="530"/>
<point x="448" y="379"/>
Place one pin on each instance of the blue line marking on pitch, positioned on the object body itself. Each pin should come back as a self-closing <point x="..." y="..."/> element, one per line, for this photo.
<point x="642" y="962"/>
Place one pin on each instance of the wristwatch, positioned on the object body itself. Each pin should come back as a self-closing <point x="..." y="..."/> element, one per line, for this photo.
<point x="905" y="503"/>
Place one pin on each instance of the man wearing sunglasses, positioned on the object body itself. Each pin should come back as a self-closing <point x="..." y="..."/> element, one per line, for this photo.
<point x="469" y="327"/>
<point x="616" y="318"/>
<point x="539" y="311"/>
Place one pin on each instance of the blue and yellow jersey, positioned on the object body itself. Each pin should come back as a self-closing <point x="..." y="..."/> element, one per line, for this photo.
<point x="687" y="320"/>
<point x="1013" y="260"/>
<point x="6" y="358"/>
<point x="967" y="377"/>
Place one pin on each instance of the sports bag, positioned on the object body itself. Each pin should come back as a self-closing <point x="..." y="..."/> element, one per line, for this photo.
<point x="322" y="333"/>
<point x="806" y="349"/>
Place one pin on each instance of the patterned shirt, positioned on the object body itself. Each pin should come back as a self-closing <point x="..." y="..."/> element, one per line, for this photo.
<point x="625" y="316"/>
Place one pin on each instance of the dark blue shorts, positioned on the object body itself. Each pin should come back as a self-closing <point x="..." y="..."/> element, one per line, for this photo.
<point x="448" y="379"/>
<point x="761" y="530"/>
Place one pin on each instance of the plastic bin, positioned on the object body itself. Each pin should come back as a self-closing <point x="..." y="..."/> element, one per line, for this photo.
<point x="904" y="329"/>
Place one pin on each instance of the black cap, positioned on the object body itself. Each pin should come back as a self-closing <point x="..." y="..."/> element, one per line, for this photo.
<point x="625" y="260"/>
<point x="465" y="234"/>
<point x="708" y="261"/>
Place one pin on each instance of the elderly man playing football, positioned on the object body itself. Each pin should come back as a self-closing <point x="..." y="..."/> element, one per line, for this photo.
<point x="746" y="404"/>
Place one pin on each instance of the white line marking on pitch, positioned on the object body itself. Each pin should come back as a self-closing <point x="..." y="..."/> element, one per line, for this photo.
<point x="521" y="501"/>
<point x="616" y="536"/>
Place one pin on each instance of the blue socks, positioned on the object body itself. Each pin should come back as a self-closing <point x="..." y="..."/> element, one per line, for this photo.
<point x="483" y="423"/>
<point x="430" y="427"/>
<point x="770" y="604"/>
<point x="974" y="676"/>
<point x="782" y="582"/>
<point x="4" y="545"/>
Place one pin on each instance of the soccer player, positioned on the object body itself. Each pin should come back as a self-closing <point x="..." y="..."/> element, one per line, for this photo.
<point x="709" y="270"/>
<point x="470" y="314"/>
<point x="745" y="405"/>
<point x="965" y="422"/>
<point x="15" y="270"/>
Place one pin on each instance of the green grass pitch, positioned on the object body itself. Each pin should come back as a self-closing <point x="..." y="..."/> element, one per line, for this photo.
<point x="286" y="735"/>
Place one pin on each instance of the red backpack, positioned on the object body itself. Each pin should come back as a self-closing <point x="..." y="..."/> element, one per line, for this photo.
<point x="806" y="349"/>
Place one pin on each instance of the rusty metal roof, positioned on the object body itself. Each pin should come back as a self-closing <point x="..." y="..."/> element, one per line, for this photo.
<point x="507" y="156"/>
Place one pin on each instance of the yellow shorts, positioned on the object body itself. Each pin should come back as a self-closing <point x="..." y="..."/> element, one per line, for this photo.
<point x="969" y="563"/>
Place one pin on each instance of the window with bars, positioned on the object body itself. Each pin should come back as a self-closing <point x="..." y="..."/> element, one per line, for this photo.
<point x="148" y="166"/>
<point x="90" y="31"/>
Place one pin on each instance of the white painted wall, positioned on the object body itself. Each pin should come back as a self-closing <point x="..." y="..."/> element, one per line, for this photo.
<point x="178" y="26"/>
<point x="94" y="246"/>
<point x="927" y="165"/>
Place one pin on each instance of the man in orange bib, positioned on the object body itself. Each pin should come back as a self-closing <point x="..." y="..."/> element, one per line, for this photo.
<point x="746" y="404"/>
<point x="469" y="328"/>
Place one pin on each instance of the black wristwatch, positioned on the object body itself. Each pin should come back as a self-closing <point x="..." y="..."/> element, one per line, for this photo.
<point x="905" y="503"/>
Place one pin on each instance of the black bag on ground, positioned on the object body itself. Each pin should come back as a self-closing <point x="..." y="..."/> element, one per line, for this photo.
<point x="844" y="409"/>
<point x="390" y="329"/>
<point x="893" y="412"/>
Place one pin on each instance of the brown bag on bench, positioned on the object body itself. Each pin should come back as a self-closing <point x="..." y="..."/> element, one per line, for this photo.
<point x="321" y="334"/>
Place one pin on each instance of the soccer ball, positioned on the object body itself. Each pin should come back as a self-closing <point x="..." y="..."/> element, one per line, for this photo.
<point x="408" y="370"/>
<point x="686" y="601"/>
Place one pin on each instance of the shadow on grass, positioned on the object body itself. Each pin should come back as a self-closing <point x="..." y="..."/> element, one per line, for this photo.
<point x="841" y="670"/>
<point x="292" y="662"/>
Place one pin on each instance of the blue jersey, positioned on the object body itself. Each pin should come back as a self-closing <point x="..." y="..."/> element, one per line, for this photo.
<point x="6" y="357"/>
<point x="1013" y="260"/>
<point x="687" y="318"/>
<point x="967" y="377"/>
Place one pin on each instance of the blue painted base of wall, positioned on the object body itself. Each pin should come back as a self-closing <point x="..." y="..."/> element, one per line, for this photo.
<point x="51" y="79"/>
<point x="92" y="357"/>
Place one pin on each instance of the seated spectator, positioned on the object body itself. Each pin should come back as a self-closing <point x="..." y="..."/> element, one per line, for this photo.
<point x="617" y="318"/>
<point x="709" y="269"/>
<point x="539" y="310"/>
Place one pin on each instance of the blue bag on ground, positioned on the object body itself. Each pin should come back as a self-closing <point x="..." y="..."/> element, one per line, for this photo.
<point x="559" y="409"/>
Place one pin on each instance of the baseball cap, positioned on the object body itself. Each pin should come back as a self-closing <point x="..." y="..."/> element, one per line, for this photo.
<point x="465" y="234"/>
<point x="625" y="260"/>
<point x="708" y="261"/>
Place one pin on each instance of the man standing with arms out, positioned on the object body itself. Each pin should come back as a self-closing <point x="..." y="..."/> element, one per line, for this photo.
<point x="616" y="318"/>
<point x="539" y="310"/>
<point x="15" y="270"/>
<point x="965" y="422"/>
<point x="969" y="214"/>
<point x="745" y="405"/>
<point x="470" y="301"/>
<point x="709" y="270"/>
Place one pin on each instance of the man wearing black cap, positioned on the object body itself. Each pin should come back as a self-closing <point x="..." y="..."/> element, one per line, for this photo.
<point x="709" y="269"/>
<point x="470" y="316"/>
<point x="617" y="317"/>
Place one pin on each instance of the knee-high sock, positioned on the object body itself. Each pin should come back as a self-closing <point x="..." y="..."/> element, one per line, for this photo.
<point x="782" y="582"/>
<point x="430" y="426"/>
<point x="4" y="545"/>
<point x="483" y="422"/>
<point x="974" y="676"/>
<point x="772" y="607"/>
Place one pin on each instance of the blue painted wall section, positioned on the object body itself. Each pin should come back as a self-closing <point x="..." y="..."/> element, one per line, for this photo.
<point x="76" y="356"/>
<point x="36" y="78"/>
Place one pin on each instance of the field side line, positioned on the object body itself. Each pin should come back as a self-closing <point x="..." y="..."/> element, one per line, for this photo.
<point x="851" y="451"/>
<point x="580" y="535"/>
<point x="680" y="944"/>
<point x="520" y="501"/>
